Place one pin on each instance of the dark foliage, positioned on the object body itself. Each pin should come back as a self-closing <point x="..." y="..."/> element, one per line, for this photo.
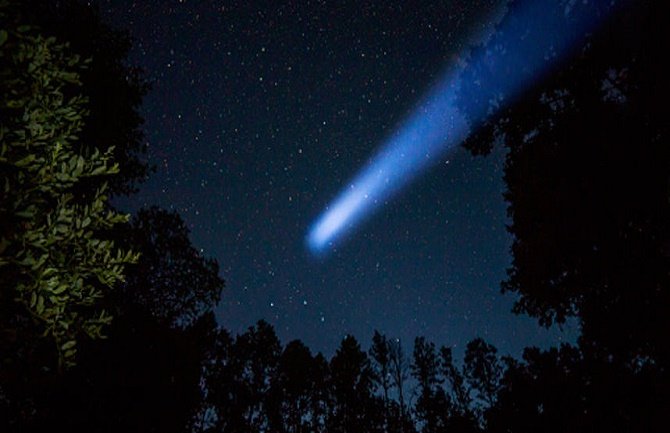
<point x="143" y="378"/>
<point x="114" y="89"/>
<point x="146" y="375"/>
<point x="172" y="279"/>
<point x="587" y="173"/>
<point x="351" y="386"/>
<point x="293" y="391"/>
<point x="483" y="370"/>
<point x="262" y="387"/>
<point x="432" y="406"/>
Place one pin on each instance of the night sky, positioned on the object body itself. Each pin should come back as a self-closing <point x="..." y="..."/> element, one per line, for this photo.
<point x="260" y="114"/>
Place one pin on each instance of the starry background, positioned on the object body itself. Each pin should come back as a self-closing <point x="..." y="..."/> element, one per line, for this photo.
<point x="260" y="113"/>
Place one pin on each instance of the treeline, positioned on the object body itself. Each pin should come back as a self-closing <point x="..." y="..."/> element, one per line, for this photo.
<point x="252" y="383"/>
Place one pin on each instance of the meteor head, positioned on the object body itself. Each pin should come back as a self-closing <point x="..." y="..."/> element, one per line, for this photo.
<point x="332" y="222"/>
<point x="346" y="210"/>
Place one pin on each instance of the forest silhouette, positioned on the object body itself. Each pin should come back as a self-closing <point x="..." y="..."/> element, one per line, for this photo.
<point x="587" y="176"/>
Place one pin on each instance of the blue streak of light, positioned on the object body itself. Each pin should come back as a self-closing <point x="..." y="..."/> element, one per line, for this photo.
<point x="520" y="53"/>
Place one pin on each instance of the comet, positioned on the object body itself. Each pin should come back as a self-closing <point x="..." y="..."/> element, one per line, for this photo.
<point x="530" y="41"/>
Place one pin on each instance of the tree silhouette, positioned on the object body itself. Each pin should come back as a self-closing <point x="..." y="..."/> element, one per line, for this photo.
<point x="172" y="279"/>
<point x="222" y="374"/>
<point x="587" y="175"/>
<point x="320" y="395"/>
<point x="462" y="417"/>
<point x="292" y="390"/>
<point x="257" y="351"/>
<point x="460" y="395"/>
<point x="240" y="381"/>
<point x="143" y="377"/>
<point x="399" y="374"/>
<point x="432" y="405"/>
<point x="482" y="370"/>
<point x="351" y="386"/>
<point x="381" y="365"/>
<point x="545" y="392"/>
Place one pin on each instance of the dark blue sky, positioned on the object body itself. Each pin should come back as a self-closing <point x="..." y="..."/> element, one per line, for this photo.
<point x="260" y="114"/>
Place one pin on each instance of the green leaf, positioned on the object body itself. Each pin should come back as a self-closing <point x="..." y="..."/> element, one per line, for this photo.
<point x="99" y="170"/>
<point x="40" y="304"/>
<point x="60" y="289"/>
<point x="68" y="345"/>
<point x="25" y="161"/>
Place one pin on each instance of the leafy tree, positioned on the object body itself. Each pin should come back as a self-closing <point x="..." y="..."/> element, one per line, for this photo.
<point x="320" y="395"/>
<point x="172" y="279"/>
<point x="258" y="351"/>
<point x="463" y="417"/>
<point x="55" y="241"/>
<point x="587" y="174"/>
<point x="222" y="374"/>
<point x="145" y="377"/>
<point x="351" y="383"/>
<point x="565" y="389"/>
<point x="381" y="365"/>
<point x="291" y="390"/>
<point x="460" y="393"/>
<point x="113" y="86"/>
<point x="483" y="370"/>
<point x="54" y="258"/>
<point x="542" y="393"/>
<point x="432" y="405"/>
<point x="240" y="384"/>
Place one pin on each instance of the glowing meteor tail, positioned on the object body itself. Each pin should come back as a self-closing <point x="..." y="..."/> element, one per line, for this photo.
<point x="528" y="43"/>
<point x="410" y="149"/>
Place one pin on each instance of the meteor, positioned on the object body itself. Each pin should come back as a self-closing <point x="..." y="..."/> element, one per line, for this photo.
<point x="529" y="41"/>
